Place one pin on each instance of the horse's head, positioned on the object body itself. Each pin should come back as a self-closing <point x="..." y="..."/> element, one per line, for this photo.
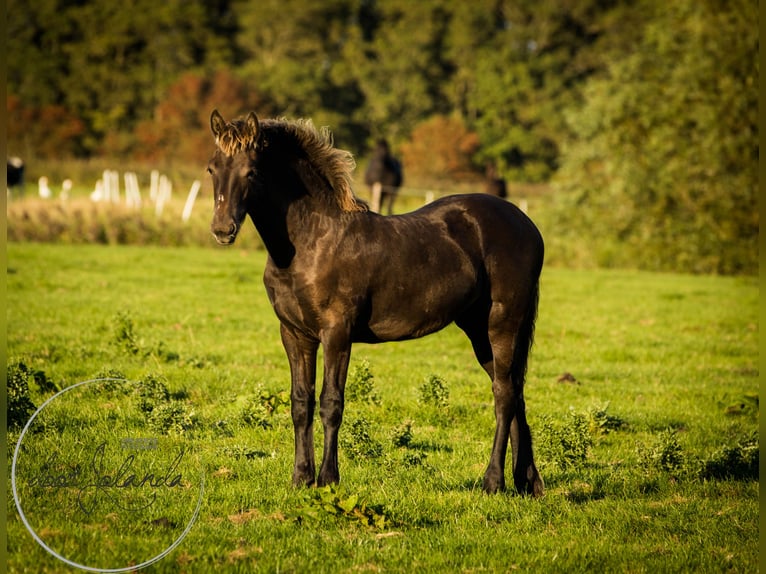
<point x="233" y="168"/>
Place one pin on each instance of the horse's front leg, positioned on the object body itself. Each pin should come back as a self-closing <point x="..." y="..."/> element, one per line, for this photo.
<point x="337" y="353"/>
<point x="302" y="354"/>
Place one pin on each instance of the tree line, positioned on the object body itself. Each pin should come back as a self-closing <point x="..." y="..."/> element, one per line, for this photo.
<point x="641" y="115"/>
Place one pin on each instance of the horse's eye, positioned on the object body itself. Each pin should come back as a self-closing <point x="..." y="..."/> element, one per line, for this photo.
<point x="210" y="170"/>
<point x="251" y="175"/>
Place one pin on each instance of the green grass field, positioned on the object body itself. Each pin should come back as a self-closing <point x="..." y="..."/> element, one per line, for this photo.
<point x="649" y="449"/>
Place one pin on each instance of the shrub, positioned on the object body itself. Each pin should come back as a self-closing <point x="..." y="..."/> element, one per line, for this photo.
<point x="565" y="443"/>
<point x="402" y="435"/>
<point x="740" y="461"/>
<point x="172" y="417"/>
<point x="152" y="392"/>
<point x="20" y="406"/>
<point x="124" y="333"/>
<point x="665" y="455"/>
<point x="434" y="391"/>
<point x="361" y="384"/>
<point x="259" y="410"/>
<point x="255" y="414"/>
<point x="414" y="458"/>
<point x="357" y="440"/>
<point x="601" y="422"/>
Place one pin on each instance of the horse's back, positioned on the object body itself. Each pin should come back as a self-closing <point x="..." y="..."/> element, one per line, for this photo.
<point x="500" y="238"/>
<point x="497" y="224"/>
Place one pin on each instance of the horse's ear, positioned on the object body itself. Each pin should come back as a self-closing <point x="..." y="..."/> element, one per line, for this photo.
<point x="217" y="123"/>
<point x="253" y="126"/>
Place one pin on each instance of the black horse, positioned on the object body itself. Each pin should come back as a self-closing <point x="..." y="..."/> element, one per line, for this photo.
<point x="338" y="273"/>
<point x="15" y="174"/>
<point x="384" y="178"/>
<point x="494" y="184"/>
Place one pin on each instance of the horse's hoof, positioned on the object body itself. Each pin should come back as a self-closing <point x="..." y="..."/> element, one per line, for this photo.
<point x="532" y="484"/>
<point x="493" y="485"/>
<point x="327" y="480"/>
<point x="301" y="479"/>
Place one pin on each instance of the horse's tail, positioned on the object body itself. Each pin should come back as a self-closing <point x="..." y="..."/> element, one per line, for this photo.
<point x="526" y="335"/>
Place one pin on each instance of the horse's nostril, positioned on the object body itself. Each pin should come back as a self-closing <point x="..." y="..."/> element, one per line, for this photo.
<point x="224" y="233"/>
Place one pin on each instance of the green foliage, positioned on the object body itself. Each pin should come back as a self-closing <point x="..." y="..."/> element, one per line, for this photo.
<point x="567" y="443"/>
<point x="20" y="405"/>
<point x="152" y="392"/>
<point x="564" y="443"/>
<point x="739" y="461"/>
<point x="223" y="428"/>
<point x="360" y="386"/>
<point x="124" y="333"/>
<point x="256" y="414"/>
<point x="662" y="172"/>
<point x="434" y="391"/>
<point x="164" y="414"/>
<point x="273" y="401"/>
<point x="172" y="417"/>
<point x="259" y="410"/>
<point x="747" y="405"/>
<point x="601" y="422"/>
<point x="664" y="454"/>
<point x="240" y="451"/>
<point x="414" y="458"/>
<point x="358" y="441"/>
<point x="402" y="435"/>
<point x="336" y="501"/>
<point x="73" y="51"/>
<point x="127" y="340"/>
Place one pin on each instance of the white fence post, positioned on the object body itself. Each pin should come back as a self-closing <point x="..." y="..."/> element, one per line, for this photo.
<point x="112" y="186"/>
<point x="154" y="184"/>
<point x="190" y="200"/>
<point x="132" y="192"/>
<point x="164" y="191"/>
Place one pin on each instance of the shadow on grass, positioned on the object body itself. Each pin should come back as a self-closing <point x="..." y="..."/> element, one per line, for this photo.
<point x="427" y="446"/>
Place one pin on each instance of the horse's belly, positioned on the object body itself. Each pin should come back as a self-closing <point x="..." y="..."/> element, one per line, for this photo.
<point x="409" y="316"/>
<point x="400" y="329"/>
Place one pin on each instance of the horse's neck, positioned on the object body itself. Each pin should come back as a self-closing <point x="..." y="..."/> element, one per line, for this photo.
<point x="291" y="220"/>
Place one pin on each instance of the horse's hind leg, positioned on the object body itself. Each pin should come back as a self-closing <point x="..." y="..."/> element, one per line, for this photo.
<point x="525" y="473"/>
<point x="474" y="324"/>
<point x="509" y="333"/>
<point x="375" y="196"/>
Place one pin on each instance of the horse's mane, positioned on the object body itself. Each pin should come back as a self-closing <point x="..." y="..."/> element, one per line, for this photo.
<point x="335" y="165"/>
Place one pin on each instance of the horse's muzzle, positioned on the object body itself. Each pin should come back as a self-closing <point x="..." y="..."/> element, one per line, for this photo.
<point x="225" y="235"/>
